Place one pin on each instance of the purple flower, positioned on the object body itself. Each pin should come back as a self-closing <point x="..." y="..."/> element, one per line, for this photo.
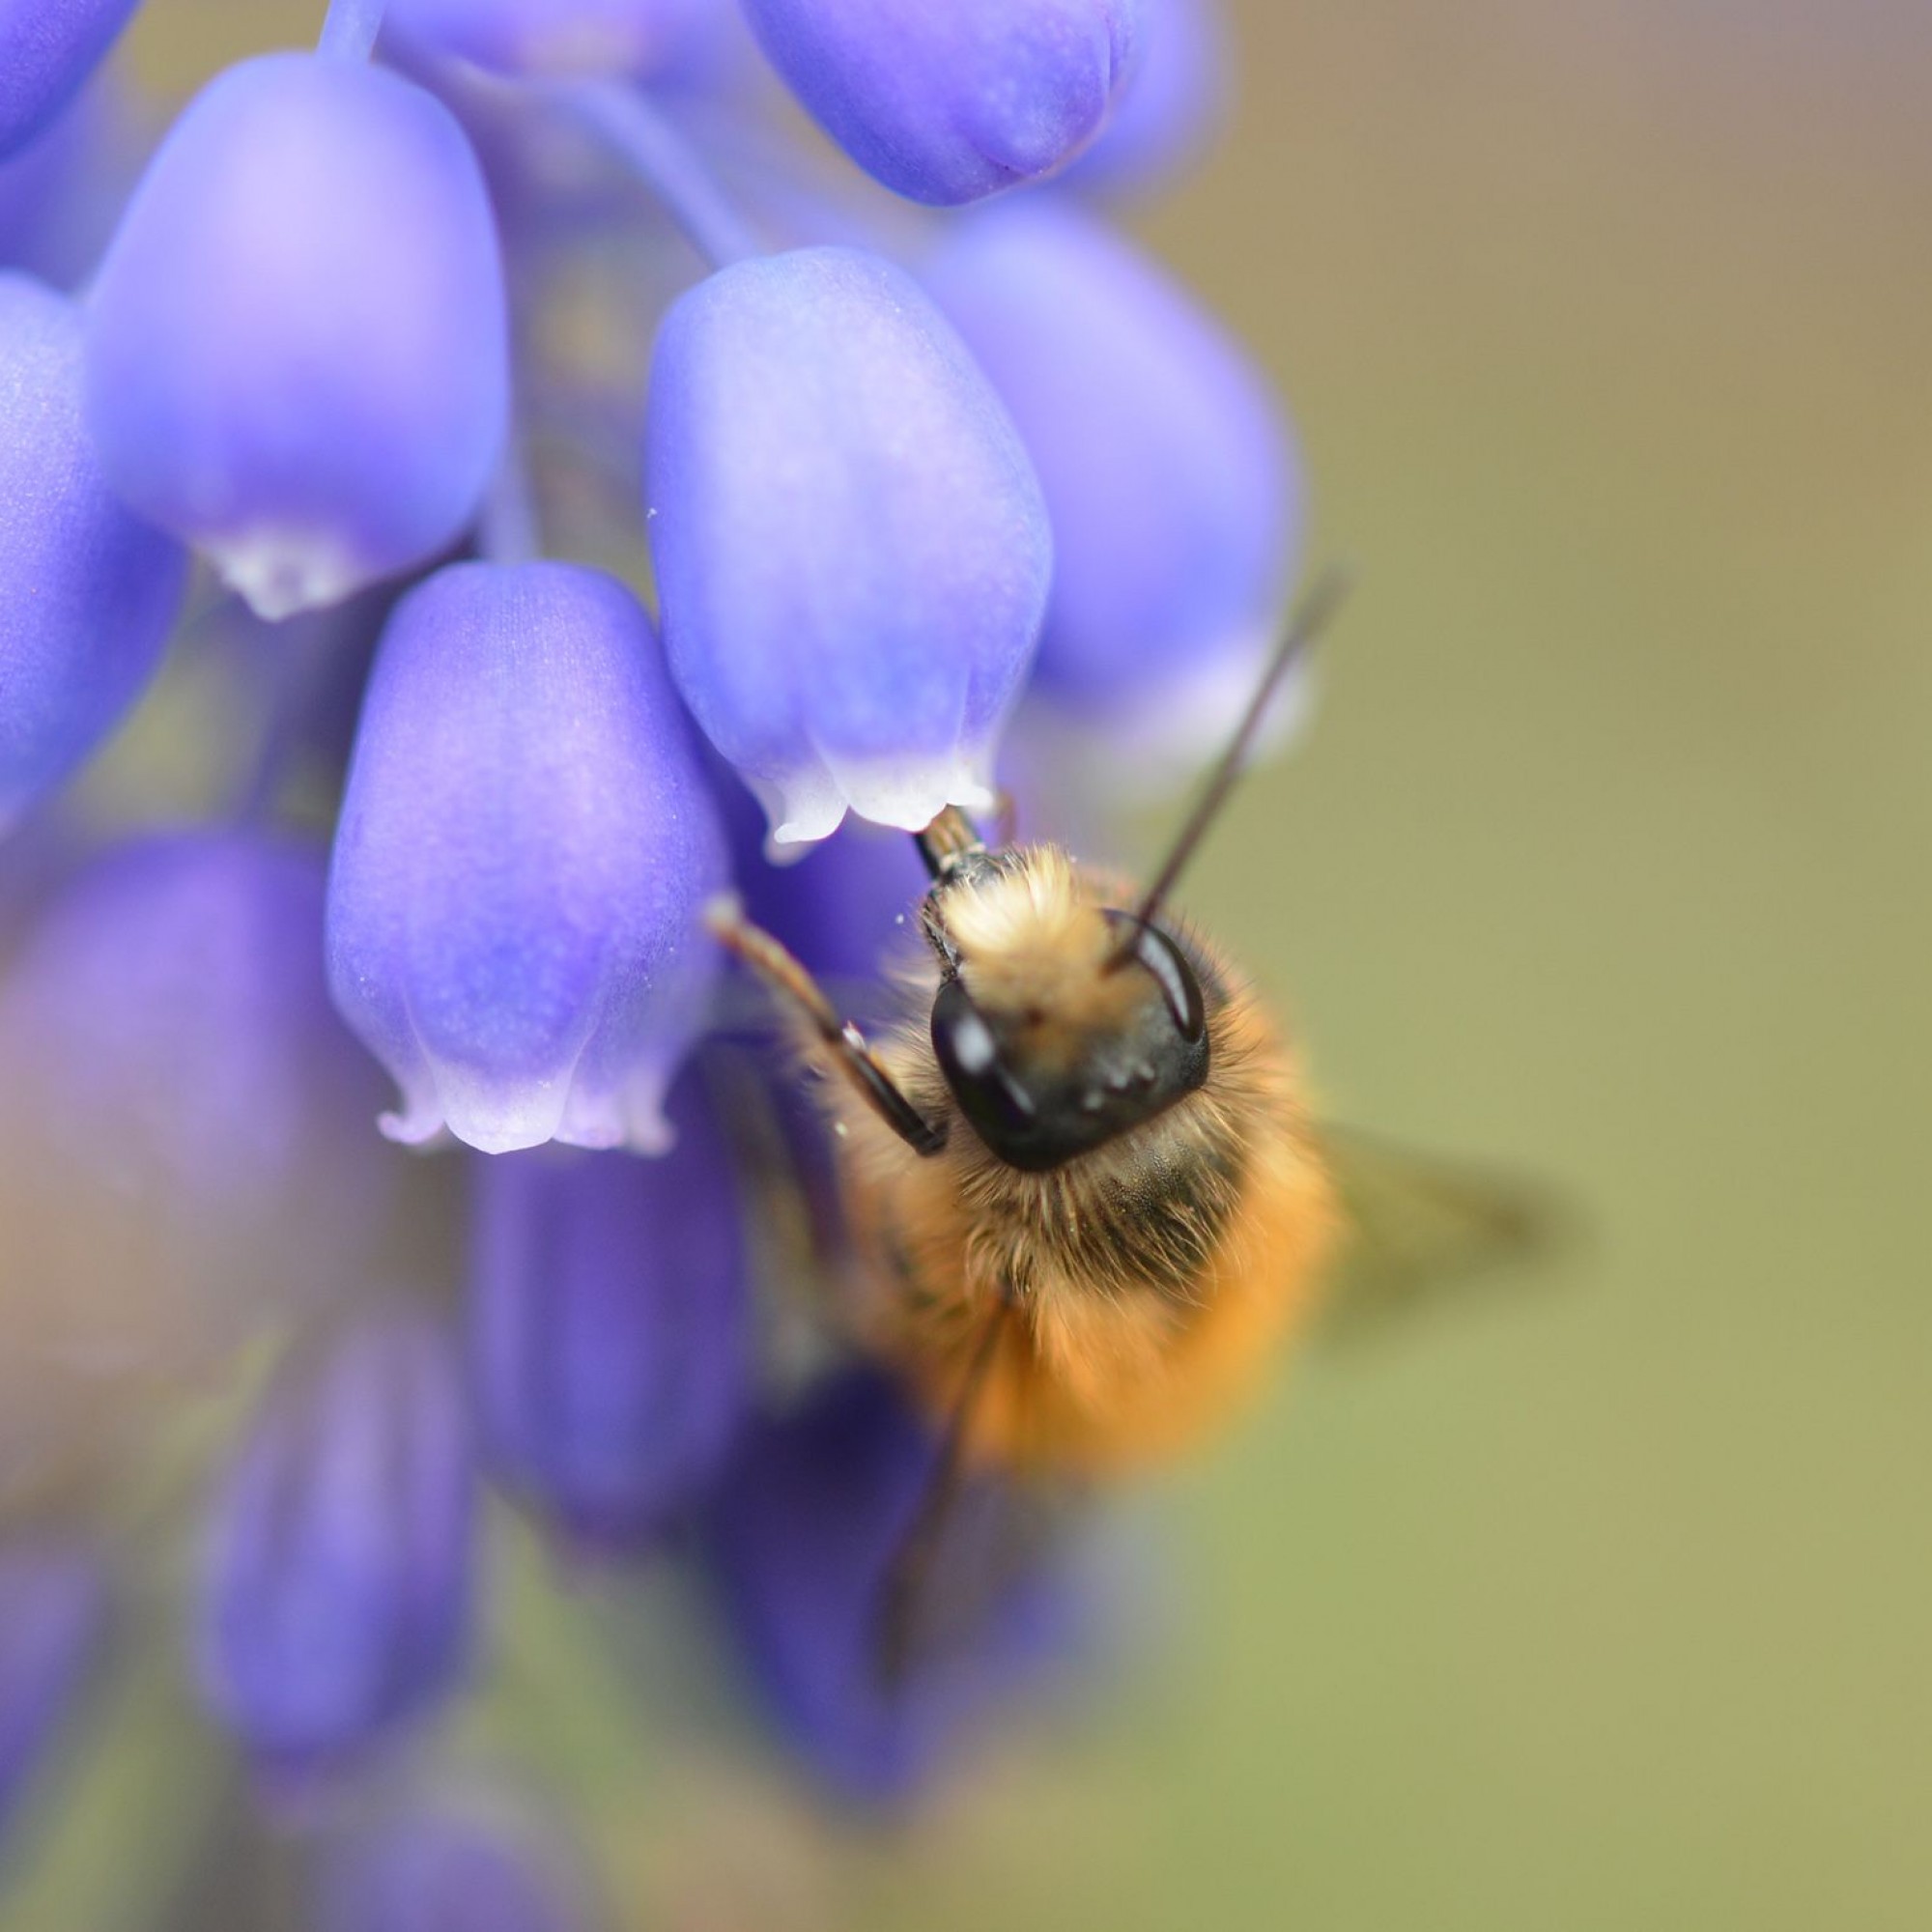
<point x="296" y="346"/>
<point x="845" y="906"/>
<point x="184" y="1147"/>
<point x="451" y="1866"/>
<point x="47" y="47"/>
<point x="87" y="591"/>
<point x="339" y="1582"/>
<point x="805" y="1536"/>
<point x="61" y="194"/>
<point x="1174" y="96"/>
<point x="53" y="1614"/>
<point x="1172" y="483"/>
<point x="525" y="848"/>
<point x="611" y="1329"/>
<point x="637" y="37"/>
<point x="946" y="103"/>
<point x="851" y="549"/>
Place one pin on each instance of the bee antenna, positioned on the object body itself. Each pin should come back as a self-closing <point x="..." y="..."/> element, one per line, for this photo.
<point x="1309" y="619"/>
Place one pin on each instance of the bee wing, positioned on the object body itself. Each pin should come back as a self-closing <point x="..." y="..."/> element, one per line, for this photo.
<point x="1422" y="1225"/>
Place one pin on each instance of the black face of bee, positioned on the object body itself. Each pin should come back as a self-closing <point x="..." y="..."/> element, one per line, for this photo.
<point x="1035" y="1113"/>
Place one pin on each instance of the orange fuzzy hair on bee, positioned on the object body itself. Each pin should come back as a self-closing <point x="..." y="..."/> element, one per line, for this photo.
<point x="1146" y="1281"/>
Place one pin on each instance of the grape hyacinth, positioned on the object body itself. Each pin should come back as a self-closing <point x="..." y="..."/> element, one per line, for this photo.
<point x="46" y="53"/>
<point x="450" y="1860"/>
<point x="313" y="404"/>
<point x="490" y="496"/>
<point x="88" y="593"/>
<point x="340" y="1583"/>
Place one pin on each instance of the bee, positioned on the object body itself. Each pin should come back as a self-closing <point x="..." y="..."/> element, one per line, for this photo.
<point x="1081" y="1179"/>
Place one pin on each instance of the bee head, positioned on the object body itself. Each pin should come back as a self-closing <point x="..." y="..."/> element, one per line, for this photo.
<point x="1059" y="1026"/>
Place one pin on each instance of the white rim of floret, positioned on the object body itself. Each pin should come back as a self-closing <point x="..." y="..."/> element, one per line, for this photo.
<point x="809" y="803"/>
<point x="497" y="1115"/>
<point x="281" y="573"/>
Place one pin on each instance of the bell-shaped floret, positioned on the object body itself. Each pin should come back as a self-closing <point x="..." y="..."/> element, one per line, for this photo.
<point x="296" y="346"/>
<point x="61" y="194"/>
<point x="851" y="549"/>
<point x="1175" y="98"/>
<point x="526" y="848"/>
<point x="878" y="1658"/>
<point x="53" y="1614"/>
<point x="340" y="1575"/>
<point x="1168" y="469"/>
<point x="185" y="1151"/>
<point x="611" y="1329"/>
<point x="641" y="39"/>
<point x="87" y="590"/>
<point x="47" y="47"/>
<point x="457" y="1862"/>
<point x="946" y="103"/>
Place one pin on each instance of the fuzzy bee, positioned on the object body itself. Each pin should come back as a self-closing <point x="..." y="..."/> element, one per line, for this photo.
<point x="1082" y="1176"/>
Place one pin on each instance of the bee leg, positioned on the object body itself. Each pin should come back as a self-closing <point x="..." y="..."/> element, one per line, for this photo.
<point x="843" y="1040"/>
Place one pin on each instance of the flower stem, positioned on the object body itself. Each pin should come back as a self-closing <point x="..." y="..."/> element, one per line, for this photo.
<point x="350" y="28"/>
<point x="666" y="162"/>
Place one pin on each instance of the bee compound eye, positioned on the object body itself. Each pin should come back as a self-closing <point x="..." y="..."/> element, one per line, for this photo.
<point x="1179" y="985"/>
<point x="998" y="1107"/>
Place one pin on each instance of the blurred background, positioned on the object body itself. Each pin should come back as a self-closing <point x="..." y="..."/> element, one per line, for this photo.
<point x="1599" y="1597"/>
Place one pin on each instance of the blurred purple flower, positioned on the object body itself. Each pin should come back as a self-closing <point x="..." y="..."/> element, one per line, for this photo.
<point x="804" y="1535"/>
<point x="53" y="1615"/>
<point x="946" y="103"/>
<point x="183" y="1142"/>
<point x="314" y="402"/>
<point x="340" y="1578"/>
<point x="47" y="47"/>
<point x="1172" y="482"/>
<point x="525" y="847"/>
<point x="451" y="1866"/>
<point x="611" y="1329"/>
<point x="61" y="194"/>
<point x="850" y="546"/>
<point x="1175" y="98"/>
<point x="636" y="38"/>
<point x="87" y="591"/>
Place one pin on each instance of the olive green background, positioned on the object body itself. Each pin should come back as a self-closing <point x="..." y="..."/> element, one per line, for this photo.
<point x="1600" y="1599"/>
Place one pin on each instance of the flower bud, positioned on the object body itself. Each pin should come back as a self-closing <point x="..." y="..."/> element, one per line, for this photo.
<point x="851" y="549"/>
<point x="525" y="848"/>
<point x="47" y="47"/>
<point x="470" y="1866"/>
<point x="1168" y="470"/>
<point x="87" y="591"/>
<point x="339" y="1578"/>
<point x="184" y="1141"/>
<point x="611" y="1329"/>
<point x="808" y="1535"/>
<point x="946" y="103"/>
<point x="640" y="39"/>
<point x="53" y="1614"/>
<point x="297" y="349"/>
